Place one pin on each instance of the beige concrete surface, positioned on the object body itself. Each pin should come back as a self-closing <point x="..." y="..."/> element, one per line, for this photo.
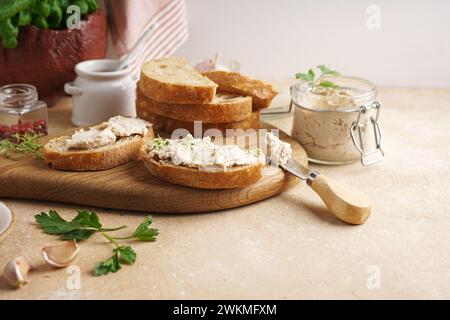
<point x="287" y="247"/>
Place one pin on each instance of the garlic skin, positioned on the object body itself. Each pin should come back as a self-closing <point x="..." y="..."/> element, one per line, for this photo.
<point x="16" y="272"/>
<point x="61" y="255"/>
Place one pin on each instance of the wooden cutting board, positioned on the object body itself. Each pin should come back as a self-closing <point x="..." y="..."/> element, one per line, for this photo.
<point x="132" y="187"/>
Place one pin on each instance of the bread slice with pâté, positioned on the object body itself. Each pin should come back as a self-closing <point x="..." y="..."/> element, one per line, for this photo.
<point x="101" y="147"/>
<point x="199" y="163"/>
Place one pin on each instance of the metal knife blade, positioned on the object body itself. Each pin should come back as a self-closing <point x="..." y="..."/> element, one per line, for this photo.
<point x="297" y="169"/>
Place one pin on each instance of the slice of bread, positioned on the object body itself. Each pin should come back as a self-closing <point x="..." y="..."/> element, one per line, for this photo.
<point x="237" y="177"/>
<point x="122" y="151"/>
<point x="180" y="61"/>
<point x="209" y="177"/>
<point x="234" y="82"/>
<point x="168" y="125"/>
<point x="170" y="80"/>
<point x="223" y="108"/>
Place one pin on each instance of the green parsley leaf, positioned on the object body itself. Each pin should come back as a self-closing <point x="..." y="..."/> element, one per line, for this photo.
<point x="310" y="76"/>
<point x="327" y="71"/>
<point x="328" y="84"/>
<point x="88" y="219"/>
<point x="121" y="255"/>
<point x="79" y="234"/>
<point x="143" y="232"/>
<point x="53" y="223"/>
<point x="302" y="76"/>
<point x="126" y="255"/>
<point x="306" y="76"/>
<point x="107" y="266"/>
<point x="80" y="228"/>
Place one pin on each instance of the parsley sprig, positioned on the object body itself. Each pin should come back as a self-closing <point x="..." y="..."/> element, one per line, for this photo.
<point x="121" y="255"/>
<point x="159" y="143"/>
<point x="85" y="224"/>
<point x="21" y="145"/>
<point x="310" y="76"/>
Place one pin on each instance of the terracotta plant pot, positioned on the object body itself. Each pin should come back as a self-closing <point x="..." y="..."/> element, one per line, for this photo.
<point x="46" y="58"/>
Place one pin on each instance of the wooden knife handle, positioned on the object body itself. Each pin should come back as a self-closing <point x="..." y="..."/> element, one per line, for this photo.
<point x="345" y="202"/>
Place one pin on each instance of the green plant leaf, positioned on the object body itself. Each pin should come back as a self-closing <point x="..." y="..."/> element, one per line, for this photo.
<point x="110" y="265"/>
<point x="88" y="219"/>
<point x="121" y="255"/>
<point x="304" y="77"/>
<point x="327" y="71"/>
<point x="9" y="8"/>
<point x="144" y="233"/>
<point x="126" y="255"/>
<point x="328" y="84"/>
<point x="53" y="223"/>
<point x="79" y="234"/>
<point x="20" y="145"/>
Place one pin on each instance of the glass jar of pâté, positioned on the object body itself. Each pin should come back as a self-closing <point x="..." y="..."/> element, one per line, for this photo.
<point x="338" y="124"/>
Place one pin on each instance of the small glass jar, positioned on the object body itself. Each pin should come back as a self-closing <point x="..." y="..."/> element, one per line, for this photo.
<point x="338" y="125"/>
<point x="21" y="112"/>
<point x="218" y="63"/>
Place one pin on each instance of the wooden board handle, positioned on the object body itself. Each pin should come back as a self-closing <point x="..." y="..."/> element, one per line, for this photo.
<point x="346" y="203"/>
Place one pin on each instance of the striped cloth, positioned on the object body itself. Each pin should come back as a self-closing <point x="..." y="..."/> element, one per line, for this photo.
<point x="128" y="19"/>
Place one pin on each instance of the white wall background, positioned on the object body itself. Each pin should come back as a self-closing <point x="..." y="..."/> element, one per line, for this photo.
<point x="279" y="38"/>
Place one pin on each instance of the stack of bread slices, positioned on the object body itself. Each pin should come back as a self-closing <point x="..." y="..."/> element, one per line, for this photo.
<point x="172" y="95"/>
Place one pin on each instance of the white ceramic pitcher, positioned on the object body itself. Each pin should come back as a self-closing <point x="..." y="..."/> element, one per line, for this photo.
<point x="99" y="93"/>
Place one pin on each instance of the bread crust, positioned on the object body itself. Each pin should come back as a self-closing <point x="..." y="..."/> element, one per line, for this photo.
<point x="172" y="92"/>
<point x="168" y="125"/>
<point x="94" y="160"/>
<point x="214" y="112"/>
<point x="234" y="82"/>
<point x="236" y="177"/>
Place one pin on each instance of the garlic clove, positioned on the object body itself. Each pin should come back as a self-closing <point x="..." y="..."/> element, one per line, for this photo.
<point x="61" y="255"/>
<point x="16" y="272"/>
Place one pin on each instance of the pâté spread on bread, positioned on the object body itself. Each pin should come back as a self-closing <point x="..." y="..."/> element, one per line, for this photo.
<point x="278" y="152"/>
<point x="107" y="133"/>
<point x="203" y="154"/>
<point x="105" y="146"/>
<point x="200" y="163"/>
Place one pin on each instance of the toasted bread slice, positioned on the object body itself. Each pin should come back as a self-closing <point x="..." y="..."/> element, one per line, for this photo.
<point x="209" y="177"/>
<point x="169" y="80"/>
<point x="180" y="61"/>
<point x="168" y="125"/>
<point x="234" y="82"/>
<point x="237" y="177"/>
<point x="124" y="150"/>
<point x="223" y="108"/>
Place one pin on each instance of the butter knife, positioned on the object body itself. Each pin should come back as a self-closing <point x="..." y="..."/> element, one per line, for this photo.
<point x="345" y="202"/>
